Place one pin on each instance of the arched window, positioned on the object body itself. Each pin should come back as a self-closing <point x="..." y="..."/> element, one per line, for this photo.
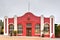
<point x="20" y="29"/>
<point x="46" y="28"/>
<point x="37" y="29"/>
<point x="11" y="28"/>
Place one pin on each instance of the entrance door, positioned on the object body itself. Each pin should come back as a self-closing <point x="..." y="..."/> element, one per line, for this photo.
<point x="28" y="32"/>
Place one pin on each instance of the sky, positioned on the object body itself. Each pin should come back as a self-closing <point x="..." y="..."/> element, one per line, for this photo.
<point x="37" y="7"/>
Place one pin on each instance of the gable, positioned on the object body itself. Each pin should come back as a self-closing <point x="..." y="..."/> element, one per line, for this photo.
<point x="29" y="16"/>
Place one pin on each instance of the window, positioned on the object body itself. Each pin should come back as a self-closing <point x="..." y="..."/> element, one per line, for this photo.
<point x="46" y="28"/>
<point x="11" y="28"/>
<point x="29" y="24"/>
<point x="37" y="29"/>
<point x="20" y="29"/>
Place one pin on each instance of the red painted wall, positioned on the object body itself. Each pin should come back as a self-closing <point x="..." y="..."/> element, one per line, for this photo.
<point x="10" y="20"/>
<point x="28" y="18"/>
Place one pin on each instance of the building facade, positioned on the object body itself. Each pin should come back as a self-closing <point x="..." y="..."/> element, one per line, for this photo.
<point x="30" y="25"/>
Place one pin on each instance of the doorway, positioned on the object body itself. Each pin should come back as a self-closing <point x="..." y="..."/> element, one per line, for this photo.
<point x="28" y="32"/>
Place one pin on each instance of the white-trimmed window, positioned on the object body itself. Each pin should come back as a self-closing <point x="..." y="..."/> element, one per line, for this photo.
<point x="11" y="28"/>
<point x="20" y="29"/>
<point x="46" y="28"/>
<point x="37" y="29"/>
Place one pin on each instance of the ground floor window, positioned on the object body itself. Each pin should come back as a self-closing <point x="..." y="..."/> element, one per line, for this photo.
<point x="20" y="29"/>
<point x="46" y="28"/>
<point x="11" y="28"/>
<point x="37" y="29"/>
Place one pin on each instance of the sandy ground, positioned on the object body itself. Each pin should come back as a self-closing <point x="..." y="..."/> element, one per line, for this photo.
<point x="2" y="37"/>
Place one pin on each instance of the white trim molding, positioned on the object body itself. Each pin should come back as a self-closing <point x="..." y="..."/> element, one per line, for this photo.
<point x="42" y="24"/>
<point x="15" y="23"/>
<point x="53" y="26"/>
<point x="6" y="24"/>
<point x="50" y="27"/>
<point x="52" y="34"/>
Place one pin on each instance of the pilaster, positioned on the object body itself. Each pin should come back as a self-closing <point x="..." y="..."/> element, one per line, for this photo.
<point x="42" y="24"/>
<point x="15" y="23"/>
<point x="52" y="27"/>
<point x="5" y="25"/>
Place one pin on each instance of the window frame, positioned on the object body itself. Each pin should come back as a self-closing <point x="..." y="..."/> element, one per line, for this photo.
<point x="46" y="30"/>
<point x="20" y="29"/>
<point x="37" y="28"/>
<point x="11" y="30"/>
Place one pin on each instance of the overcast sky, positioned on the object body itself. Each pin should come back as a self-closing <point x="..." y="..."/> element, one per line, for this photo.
<point x="37" y="7"/>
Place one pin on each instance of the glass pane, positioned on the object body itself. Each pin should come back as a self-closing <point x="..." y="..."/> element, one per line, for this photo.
<point x="11" y="29"/>
<point x="37" y="29"/>
<point x="29" y="24"/>
<point x="38" y="26"/>
<point x="46" y="25"/>
<point x="20" y="29"/>
<point x="20" y="26"/>
<point x="46" y="28"/>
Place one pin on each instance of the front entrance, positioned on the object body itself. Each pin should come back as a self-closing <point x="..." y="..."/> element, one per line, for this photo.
<point x="28" y="32"/>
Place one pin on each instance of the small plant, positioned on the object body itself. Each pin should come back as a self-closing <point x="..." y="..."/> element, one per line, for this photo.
<point x="15" y="32"/>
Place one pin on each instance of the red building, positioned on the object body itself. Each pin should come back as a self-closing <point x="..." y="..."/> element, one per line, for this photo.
<point x="30" y="25"/>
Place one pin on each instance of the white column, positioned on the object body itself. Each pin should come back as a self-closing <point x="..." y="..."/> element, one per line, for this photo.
<point x="51" y="26"/>
<point x="42" y="24"/>
<point x="7" y="25"/>
<point x="15" y="23"/>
